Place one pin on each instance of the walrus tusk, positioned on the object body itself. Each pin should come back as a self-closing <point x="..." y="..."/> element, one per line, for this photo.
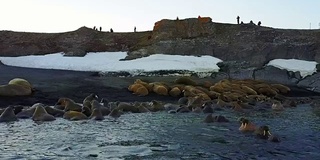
<point x="264" y="132"/>
<point x="269" y="133"/>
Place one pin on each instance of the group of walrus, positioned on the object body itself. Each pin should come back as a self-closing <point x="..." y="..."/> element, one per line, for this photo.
<point x="207" y="97"/>
<point x="236" y="95"/>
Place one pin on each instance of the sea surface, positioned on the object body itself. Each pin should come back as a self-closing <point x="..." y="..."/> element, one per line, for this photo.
<point x="164" y="136"/>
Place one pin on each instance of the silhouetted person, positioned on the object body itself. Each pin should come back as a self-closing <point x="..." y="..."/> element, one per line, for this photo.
<point x="135" y="29"/>
<point x="241" y="22"/>
<point x="259" y="23"/>
<point x="94" y="27"/>
<point x="199" y="16"/>
<point x="177" y="19"/>
<point x="111" y="30"/>
<point x="100" y="29"/>
<point x="238" y="19"/>
<point x="251" y="22"/>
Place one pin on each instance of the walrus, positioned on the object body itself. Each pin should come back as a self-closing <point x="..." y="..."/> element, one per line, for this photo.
<point x="134" y="87"/>
<point x="53" y="111"/>
<point x="246" y="125"/>
<point x="209" y="119"/>
<point x="186" y="81"/>
<point x="143" y="109"/>
<point x="282" y="88"/>
<point x="277" y="106"/>
<point x="183" y="101"/>
<point x="141" y="91"/>
<point x="74" y="116"/>
<point x="127" y="107"/>
<point x="96" y="105"/>
<point x="26" y="113"/>
<point x="197" y="109"/>
<point x="274" y="138"/>
<point x="170" y="106"/>
<point x="87" y="101"/>
<point x="16" y="109"/>
<point x="267" y="91"/>
<point x="160" y="90"/>
<point x="183" y="109"/>
<point x="262" y="132"/>
<point x="8" y="115"/>
<point x="16" y="87"/>
<point x="175" y="92"/>
<point x="69" y="104"/>
<point x="115" y="113"/>
<point x="207" y="107"/>
<point x="86" y="110"/>
<point x="96" y="115"/>
<point x="149" y="86"/>
<point x="40" y="114"/>
<point x="156" y="106"/>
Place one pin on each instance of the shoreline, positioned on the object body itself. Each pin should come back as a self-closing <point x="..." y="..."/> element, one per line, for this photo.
<point x="51" y="84"/>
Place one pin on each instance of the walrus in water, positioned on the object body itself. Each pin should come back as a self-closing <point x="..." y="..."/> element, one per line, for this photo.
<point x="40" y="114"/>
<point x="74" y="116"/>
<point x="277" y="106"/>
<point x="262" y="132"/>
<point x="246" y="125"/>
<point x="8" y="115"/>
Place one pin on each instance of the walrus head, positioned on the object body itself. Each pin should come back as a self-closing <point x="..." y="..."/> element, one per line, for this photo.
<point x="263" y="132"/>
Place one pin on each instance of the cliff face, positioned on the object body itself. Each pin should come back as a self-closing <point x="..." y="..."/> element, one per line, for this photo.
<point x="248" y="43"/>
<point x="76" y="43"/>
<point x="253" y="44"/>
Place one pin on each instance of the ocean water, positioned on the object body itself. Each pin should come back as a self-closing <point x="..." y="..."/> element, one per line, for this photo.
<point x="161" y="135"/>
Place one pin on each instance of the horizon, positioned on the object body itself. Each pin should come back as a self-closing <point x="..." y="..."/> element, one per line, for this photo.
<point x="44" y="16"/>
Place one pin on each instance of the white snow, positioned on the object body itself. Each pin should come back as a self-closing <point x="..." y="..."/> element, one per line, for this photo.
<point x="305" y="67"/>
<point x="110" y="62"/>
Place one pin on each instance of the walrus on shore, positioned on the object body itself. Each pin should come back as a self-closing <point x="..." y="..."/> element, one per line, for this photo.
<point x="69" y="104"/>
<point x="115" y="113"/>
<point x="28" y="112"/>
<point x="16" y="109"/>
<point x="40" y="114"/>
<point x="141" y="91"/>
<point x="282" y="88"/>
<point x="186" y="81"/>
<point x="53" y="111"/>
<point x="156" y="106"/>
<point x="74" y="116"/>
<point x="127" y="107"/>
<point x="8" y="115"/>
<point x="87" y="101"/>
<point x="96" y="115"/>
<point x="160" y="89"/>
<point x="16" y="87"/>
<point x="175" y="92"/>
<point x="96" y="105"/>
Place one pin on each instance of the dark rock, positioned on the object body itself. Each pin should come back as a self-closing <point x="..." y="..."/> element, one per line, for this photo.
<point x="275" y="75"/>
<point x="75" y="52"/>
<point x="317" y="66"/>
<point x="311" y="83"/>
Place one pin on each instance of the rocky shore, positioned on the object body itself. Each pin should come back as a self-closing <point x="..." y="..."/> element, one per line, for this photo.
<point x="245" y="49"/>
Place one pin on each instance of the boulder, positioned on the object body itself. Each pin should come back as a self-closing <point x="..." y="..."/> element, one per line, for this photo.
<point x="275" y="75"/>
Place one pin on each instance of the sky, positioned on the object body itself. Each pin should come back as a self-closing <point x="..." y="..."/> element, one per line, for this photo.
<point x="110" y="62"/>
<point x="52" y="16"/>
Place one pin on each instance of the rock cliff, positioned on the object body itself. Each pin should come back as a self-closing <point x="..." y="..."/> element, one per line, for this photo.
<point x="244" y="48"/>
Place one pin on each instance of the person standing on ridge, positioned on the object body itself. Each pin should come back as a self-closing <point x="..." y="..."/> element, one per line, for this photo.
<point x="238" y="19"/>
<point x="135" y="29"/>
<point x="111" y="30"/>
<point x="100" y="28"/>
<point x="259" y="23"/>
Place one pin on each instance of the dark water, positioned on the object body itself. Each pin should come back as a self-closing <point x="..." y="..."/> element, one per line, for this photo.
<point x="164" y="136"/>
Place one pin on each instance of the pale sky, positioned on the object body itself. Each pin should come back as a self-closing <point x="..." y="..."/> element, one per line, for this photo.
<point x="122" y="15"/>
